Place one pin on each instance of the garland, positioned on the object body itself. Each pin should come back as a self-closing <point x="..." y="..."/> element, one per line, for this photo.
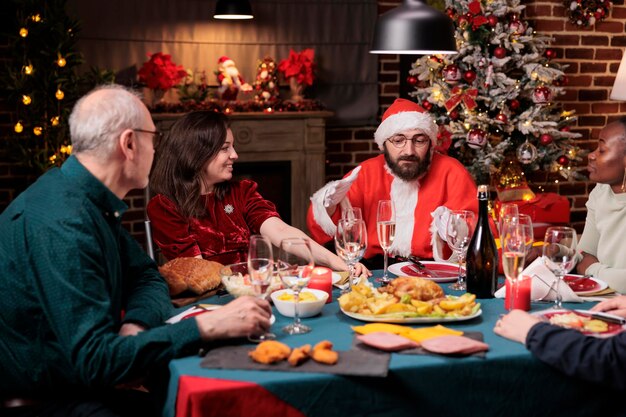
<point x="225" y="106"/>
<point x="585" y="13"/>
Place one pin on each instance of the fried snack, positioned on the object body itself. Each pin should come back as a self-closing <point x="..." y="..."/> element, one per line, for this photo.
<point x="418" y="288"/>
<point x="194" y="274"/>
<point x="299" y="355"/>
<point x="270" y="351"/>
<point x="323" y="353"/>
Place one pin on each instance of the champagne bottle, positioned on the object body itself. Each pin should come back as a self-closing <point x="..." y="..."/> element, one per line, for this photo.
<point x="482" y="253"/>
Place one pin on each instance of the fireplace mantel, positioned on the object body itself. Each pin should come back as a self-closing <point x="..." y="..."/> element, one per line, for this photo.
<point x="296" y="137"/>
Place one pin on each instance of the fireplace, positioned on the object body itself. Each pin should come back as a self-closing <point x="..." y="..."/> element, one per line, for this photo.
<point x="283" y="152"/>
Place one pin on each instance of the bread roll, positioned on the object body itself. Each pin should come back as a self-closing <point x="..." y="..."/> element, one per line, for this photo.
<point x="193" y="274"/>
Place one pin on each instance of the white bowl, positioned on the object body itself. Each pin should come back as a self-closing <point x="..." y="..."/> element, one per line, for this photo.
<point x="237" y="282"/>
<point x="305" y="308"/>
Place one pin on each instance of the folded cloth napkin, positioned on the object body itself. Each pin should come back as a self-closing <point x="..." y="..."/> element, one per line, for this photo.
<point x="543" y="284"/>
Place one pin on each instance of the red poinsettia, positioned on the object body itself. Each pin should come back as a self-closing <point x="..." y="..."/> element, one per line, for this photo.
<point x="299" y="65"/>
<point x="160" y="73"/>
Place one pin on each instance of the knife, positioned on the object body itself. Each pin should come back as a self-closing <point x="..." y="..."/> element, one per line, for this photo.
<point x="418" y="267"/>
<point x="609" y="318"/>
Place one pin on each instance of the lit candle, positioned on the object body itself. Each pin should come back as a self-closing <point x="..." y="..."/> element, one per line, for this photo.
<point x="519" y="293"/>
<point x="322" y="279"/>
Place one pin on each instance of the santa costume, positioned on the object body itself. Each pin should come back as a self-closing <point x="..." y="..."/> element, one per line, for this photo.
<point x="421" y="205"/>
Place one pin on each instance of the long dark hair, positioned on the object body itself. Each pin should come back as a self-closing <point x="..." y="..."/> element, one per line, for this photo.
<point x="181" y="157"/>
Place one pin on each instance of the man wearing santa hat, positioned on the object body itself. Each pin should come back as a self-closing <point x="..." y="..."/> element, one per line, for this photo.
<point x="229" y="79"/>
<point x="424" y="186"/>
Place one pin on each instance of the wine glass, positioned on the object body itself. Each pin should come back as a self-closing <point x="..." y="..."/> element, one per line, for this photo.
<point x="559" y="255"/>
<point x="295" y="263"/>
<point x="506" y="210"/>
<point x="386" y="229"/>
<point x="527" y="225"/>
<point x="352" y="213"/>
<point x="350" y="244"/>
<point x="459" y="231"/>
<point x="260" y="268"/>
<point x="513" y="236"/>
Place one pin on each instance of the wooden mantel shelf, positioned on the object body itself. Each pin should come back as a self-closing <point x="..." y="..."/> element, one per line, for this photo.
<point x="296" y="137"/>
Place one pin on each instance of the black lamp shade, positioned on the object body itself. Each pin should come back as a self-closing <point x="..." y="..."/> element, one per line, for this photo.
<point x="414" y="28"/>
<point x="233" y="9"/>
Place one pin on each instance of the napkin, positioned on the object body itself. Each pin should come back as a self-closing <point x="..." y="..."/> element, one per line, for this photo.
<point x="343" y="280"/>
<point x="543" y="284"/>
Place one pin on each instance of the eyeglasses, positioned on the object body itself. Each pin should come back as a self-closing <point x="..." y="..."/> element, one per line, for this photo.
<point x="419" y="141"/>
<point x="157" y="135"/>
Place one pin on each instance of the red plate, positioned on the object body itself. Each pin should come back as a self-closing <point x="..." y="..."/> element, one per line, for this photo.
<point x="579" y="284"/>
<point x="431" y="271"/>
<point x="613" y="328"/>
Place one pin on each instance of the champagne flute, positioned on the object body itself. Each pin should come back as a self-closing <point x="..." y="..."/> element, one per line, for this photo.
<point x="506" y="210"/>
<point x="386" y="230"/>
<point x="260" y="268"/>
<point x="513" y="237"/>
<point x="295" y="263"/>
<point x="559" y="255"/>
<point x="459" y="231"/>
<point x="352" y="213"/>
<point x="527" y="225"/>
<point x="350" y="244"/>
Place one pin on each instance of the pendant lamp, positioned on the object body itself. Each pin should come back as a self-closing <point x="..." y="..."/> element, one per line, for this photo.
<point x="233" y="9"/>
<point x="619" y="86"/>
<point x="414" y="28"/>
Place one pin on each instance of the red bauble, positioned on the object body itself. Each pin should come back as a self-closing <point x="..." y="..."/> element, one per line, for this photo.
<point x="452" y="74"/>
<point x="476" y="138"/>
<point x="563" y="160"/>
<point x="501" y="117"/>
<point x="564" y="129"/>
<point x="514" y="104"/>
<point x="561" y="81"/>
<point x="411" y="80"/>
<point x="450" y="12"/>
<point x="469" y="76"/>
<point x="454" y="114"/>
<point x="542" y="95"/>
<point x="545" y="139"/>
<point x="550" y="53"/>
<point x="463" y="21"/>
<point x="493" y="20"/>
<point x="517" y="27"/>
<point x="427" y="105"/>
<point x="499" y="52"/>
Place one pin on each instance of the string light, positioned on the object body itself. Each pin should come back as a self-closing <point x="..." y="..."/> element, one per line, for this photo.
<point x="23" y="32"/>
<point x="55" y="121"/>
<point x="19" y="127"/>
<point x="66" y="149"/>
<point x="27" y="69"/>
<point x="26" y="100"/>
<point x="36" y="18"/>
<point x="59" y="94"/>
<point x="61" y="61"/>
<point x="37" y="130"/>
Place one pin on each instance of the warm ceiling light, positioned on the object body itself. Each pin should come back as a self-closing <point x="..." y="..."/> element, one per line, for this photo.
<point x="233" y="9"/>
<point x="414" y="28"/>
<point x="619" y="86"/>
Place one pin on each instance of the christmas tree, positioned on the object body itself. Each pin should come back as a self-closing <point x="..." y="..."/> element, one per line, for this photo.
<point x="495" y="99"/>
<point x="40" y="80"/>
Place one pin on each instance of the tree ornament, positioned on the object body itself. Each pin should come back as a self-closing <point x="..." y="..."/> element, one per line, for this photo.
<point x="501" y="117"/>
<point x="514" y="104"/>
<point x="266" y="82"/>
<point x="563" y="160"/>
<point x="427" y="105"/>
<point x="526" y="153"/>
<point x="561" y="81"/>
<point x="411" y="80"/>
<point x="451" y="74"/>
<point x="550" y="53"/>
<point x="450" y="13"/>
<point x="499" y="52"/>
<point x="37" y="130"/>
<point x="26" y="100"/>
<point x="492" y="19"/>
<point x="542" y="95"/>
<point x="476" y="138"/>
<point x="517" y="27"/>
<point x="60" y="95"/>
<point x="23" y="32"/>
<point x="469" y="76"/>
<point x="546" y="139"/>
<point x="19" y="127"/>
<point x="454" y="114"/>
<point x="585" y="13"/>
<point x="565" y="129"/>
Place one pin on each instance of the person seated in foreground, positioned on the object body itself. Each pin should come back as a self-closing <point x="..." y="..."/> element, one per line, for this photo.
<point x="602" y="243"/>
<point x="599" y="360"/>
<point x="199" y="211"/>
<point x="83" y="307"/>
<point x="423" y="184"/>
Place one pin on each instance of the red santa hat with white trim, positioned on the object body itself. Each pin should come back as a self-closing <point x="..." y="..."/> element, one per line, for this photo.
<point x="223" y="59"/>
<point x="405" y="115"/>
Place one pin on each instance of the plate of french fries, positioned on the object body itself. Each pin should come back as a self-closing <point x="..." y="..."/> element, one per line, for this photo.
<point x="368" y="304"/>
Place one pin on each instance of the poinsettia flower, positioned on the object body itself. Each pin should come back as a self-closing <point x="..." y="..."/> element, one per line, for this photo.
<point x="299" y="65"/>
<point x="160" y="73"/>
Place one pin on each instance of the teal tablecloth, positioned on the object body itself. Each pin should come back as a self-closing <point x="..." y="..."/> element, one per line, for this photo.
<point x="509" y="381"/>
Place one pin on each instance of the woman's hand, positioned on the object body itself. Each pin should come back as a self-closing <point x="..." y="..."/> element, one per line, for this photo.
<point x="361" y="270"/>
<point x="615" y="306"/>
<point x="515" y="325"/>
<point x="242" y="317"/>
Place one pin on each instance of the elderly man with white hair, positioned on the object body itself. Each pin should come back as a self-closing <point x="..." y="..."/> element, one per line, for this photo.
<point x="423" y="185"/>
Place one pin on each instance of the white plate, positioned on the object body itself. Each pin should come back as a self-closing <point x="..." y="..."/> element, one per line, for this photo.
<point x="602" y="285"/>
<point x="410" y="320"/>
<point x="613" y="328"/>
<point x="447" y="271"/>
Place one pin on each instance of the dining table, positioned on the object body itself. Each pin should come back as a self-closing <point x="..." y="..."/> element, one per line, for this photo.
<point x="506" y="381"/>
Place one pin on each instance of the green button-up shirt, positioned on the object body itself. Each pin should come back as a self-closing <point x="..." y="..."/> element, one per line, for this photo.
<point x="70" y="276"/>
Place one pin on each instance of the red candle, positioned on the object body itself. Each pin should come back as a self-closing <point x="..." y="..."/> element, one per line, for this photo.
<point x="518" y="292"/>
<point x="322" y="279"/>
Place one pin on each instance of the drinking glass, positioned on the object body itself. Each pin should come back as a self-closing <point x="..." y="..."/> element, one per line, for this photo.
<point x="513" y="236"/>
<point x="352" y="213"/>
<point x="559" y="255"/>
<point x="295" y="263"/>
<point x="527" y="225"/>
<point x="459" y="231"/>
<point x="506" y="210"/>
<point x="386" y="229"/>
<point x="350" y="244"/>
<point x="260" y="268"/>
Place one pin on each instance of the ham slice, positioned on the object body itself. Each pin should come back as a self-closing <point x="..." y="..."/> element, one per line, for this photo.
<point x="450" y="345"/>
<point x="387" y="341"/>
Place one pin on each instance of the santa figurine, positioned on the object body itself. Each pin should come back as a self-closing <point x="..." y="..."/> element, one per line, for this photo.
<point x="230" y="82"/>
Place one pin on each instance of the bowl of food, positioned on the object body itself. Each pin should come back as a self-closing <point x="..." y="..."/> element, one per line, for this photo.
<point x="311" y="302"/>
<point x="237" y="281"/>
